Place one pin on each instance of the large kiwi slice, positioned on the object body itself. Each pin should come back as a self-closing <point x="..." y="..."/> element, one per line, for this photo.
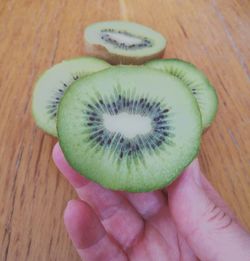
<point x="121" y="42"/>
<point x="51" y="86"/>
<point x="196" y="81"/>
<point x="129" y="128"/>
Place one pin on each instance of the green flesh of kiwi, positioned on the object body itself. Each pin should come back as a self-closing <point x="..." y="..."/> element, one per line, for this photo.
<point x="196" y="81"/>
<point x="129" y="128"/>
<point x="122" y="42"/>
<point x="51" y="86"/>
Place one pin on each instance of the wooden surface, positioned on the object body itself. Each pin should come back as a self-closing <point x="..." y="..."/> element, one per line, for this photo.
<point x="214" y="35"/>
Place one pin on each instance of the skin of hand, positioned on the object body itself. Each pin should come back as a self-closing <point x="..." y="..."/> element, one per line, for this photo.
<point x="186" y="221"/>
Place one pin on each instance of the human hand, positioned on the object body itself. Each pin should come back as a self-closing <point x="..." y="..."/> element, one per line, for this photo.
<point x="186" y="221"/>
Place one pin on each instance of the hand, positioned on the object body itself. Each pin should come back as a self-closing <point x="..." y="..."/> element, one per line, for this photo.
<point x="186" y="221"/>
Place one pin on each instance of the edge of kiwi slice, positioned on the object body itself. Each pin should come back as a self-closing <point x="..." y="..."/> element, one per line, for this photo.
<point x="197" y="83"/>
<point x="123" y="42"/>
<point x="105" y="135"/>
<point x="52" y="84"/>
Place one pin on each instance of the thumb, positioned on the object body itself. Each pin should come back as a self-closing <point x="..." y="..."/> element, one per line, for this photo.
<point x="203" y="219"/>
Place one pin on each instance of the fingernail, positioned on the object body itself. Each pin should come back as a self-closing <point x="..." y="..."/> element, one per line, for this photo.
<point x="196" y="172"/>
<point x="70" y="203"/>
<point x="193" y="171"/>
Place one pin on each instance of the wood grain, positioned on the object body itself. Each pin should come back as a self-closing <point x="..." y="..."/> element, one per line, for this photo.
<point x="214" y="35"/>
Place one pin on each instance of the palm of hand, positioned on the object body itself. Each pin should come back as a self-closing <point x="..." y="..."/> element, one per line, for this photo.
<point x="127" y="226"/>
<point x="155" y="236"/>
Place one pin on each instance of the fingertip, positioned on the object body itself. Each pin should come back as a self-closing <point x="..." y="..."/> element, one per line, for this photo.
<point x="185" y="195"/>
<point x="192" y="169"/>
<point x="82" y="224"/>
<point x="75" y="179"/>
<point x="190" y="173"/>
<point x="70" y="209"/>
<point x="58" y="157"/>
<point x="193" y="166"/>
<point x="56" y="151"/>
<point x="76" y="213"/>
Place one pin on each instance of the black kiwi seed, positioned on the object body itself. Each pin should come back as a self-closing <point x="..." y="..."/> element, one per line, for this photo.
<point x="55" y="99"/>
<point x="123" y="146"/>
<point x="106" y="35"/>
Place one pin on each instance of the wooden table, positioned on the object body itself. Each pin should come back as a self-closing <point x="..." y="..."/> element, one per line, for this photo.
<point x="34" y="35"/>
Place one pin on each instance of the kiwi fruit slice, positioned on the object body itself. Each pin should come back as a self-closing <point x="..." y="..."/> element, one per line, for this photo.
<point x="129" y="128"/>
<point x="122" y="42"/>
<point x="196" y="81"/>
<point x="51" y="86"/>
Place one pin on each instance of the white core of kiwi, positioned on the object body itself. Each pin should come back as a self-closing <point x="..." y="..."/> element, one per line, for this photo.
<point x="138" y="125"/>
<point x="123" y="38"/>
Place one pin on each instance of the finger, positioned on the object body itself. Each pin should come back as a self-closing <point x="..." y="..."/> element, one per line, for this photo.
<point x="118" y="217"/>
<point x="187" y="254"/>
<point x="212" y="194"/>
<point x="147" y="204"/>
<point x="71" y="175"/>
<point x="88" y="234"/>
<point x="215" y="197"/>
<point x="209" y="230"/>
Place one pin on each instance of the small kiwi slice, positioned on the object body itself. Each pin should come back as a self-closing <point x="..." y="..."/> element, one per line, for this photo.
<point x="122" y="42"/>
<point x="129" y="128"/>
<point x="196" y="81"/>
<point x="50" y="88"/>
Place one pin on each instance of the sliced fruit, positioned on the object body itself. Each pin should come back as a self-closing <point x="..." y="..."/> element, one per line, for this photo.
<point x="51" y="86"/>
<point x="196" y="81"/>
<point x="121" y="42"/>
<point x="129" y="128"/>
